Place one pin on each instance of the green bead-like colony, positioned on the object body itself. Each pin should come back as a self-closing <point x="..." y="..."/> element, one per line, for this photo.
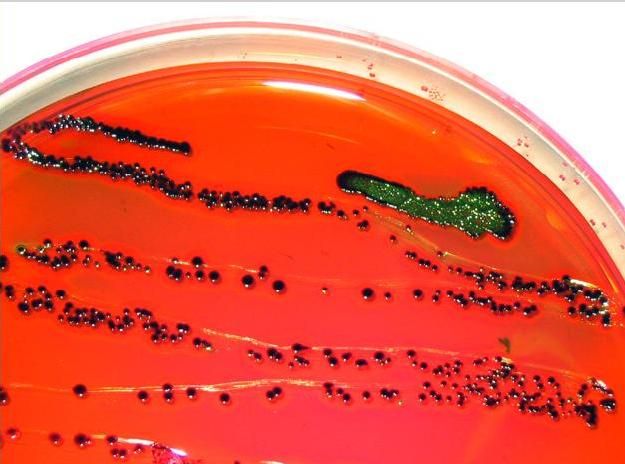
<point x="475" y="211"/>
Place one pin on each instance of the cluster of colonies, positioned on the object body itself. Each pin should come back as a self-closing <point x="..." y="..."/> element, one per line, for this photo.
<point x="374" y="188"/>
<point x="589" y="303"/>
<point x="495" y="382"/>
<point x="456" y="387"/>
<point x="120" y="448"/>
<point x="40" y="299"/>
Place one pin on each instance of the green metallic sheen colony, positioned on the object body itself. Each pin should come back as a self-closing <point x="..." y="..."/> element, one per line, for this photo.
<point x="475" y="211"/>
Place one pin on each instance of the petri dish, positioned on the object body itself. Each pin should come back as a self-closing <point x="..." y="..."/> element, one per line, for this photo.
<point x="240" y="241"/>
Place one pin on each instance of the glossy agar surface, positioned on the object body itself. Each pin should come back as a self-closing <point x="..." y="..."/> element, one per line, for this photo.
<point x="349" y="284"/>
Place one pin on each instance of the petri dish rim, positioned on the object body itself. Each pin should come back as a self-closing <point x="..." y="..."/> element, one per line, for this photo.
<point x="345" y="50"/>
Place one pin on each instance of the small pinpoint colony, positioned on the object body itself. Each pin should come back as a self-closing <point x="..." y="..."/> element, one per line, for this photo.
<point x="475" y="211"/>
